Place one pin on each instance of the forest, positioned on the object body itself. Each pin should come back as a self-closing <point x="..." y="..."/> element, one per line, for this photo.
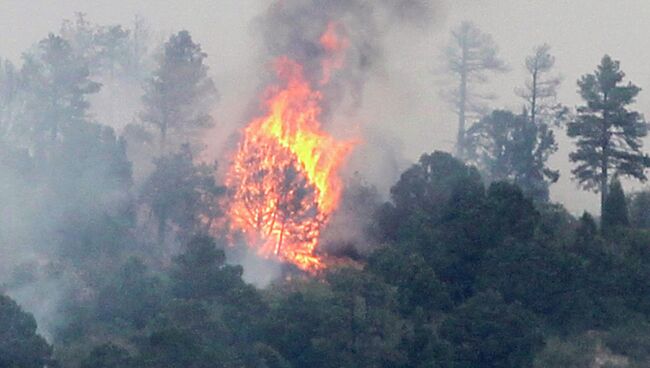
<point x="131" y="244"/>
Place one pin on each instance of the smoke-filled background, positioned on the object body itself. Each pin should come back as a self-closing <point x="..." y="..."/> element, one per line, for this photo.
<point x="409" y="73"/>
<point x="101" y="202"/>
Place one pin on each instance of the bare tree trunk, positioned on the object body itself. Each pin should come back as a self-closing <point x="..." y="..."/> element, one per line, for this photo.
<point x="603" y="187"/>
<point x="533" y="100"/>
<point x="604" y="163"/>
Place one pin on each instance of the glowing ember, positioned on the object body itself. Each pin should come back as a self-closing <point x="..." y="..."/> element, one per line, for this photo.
<point x="284" y="176"/>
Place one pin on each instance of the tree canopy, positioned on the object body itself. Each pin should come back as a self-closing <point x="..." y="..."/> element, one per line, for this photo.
<point x="608" y="134"/>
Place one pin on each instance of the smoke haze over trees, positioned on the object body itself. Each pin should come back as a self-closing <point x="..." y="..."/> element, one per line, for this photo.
<point x="117" y="248"/>
<point x="470" y="56"/>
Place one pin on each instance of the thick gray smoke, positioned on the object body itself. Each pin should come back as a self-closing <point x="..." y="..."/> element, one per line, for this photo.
<point x="64" y="195"/>
<point x="293" y="28"/>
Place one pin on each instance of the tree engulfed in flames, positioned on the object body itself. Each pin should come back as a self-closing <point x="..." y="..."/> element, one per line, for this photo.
<point x="284" y="176"/>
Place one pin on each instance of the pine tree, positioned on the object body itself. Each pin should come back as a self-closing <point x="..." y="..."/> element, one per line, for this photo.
<point x="178" y="98"/>
<point x="80" y="35"/>
<point x="470" y="55"/>
<point x="57" y="83"/>
<point x="20" y="345"/>
<point x="639" y="204"/>
<point x="543" y="112"/>
<point x="510" y="147"/>
<point x="608" y="134"/>
<point x="112" y="49"/>
<point x="182" y="194"/>
<point x="586" y="231"/>
<point x="540" y="89"/>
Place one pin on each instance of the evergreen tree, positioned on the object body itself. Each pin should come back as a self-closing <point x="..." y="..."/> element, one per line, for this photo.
<point x="57" y="83"/>
<point x="181" y="193"/>
<point x="540" y="88"/>
<point x="542" y="111"/>
<point x="116" y="301"/>
<point x="179" y="97"/>
<point x="508" y="214"/>
<point x="491" y="146"/>
<point x="20" y="346"/>
<point x="511" y="147"/>
<point x="103" y="48"/>
<point x="608" y="134"/>
<point x="557" y="295"/>
<point x="201" y="272"/>
<point x="80" y="34"/>
<point x="108" y="356"/>
<point x="487" y="332"/>
<point x="614" y="211"/>
<point x="112" y="48"/>
<point x="639" y="204"/>
<point x="418" y="287"/>
<point x="586" y="231"/>
<point x="470" y="56"/>
<point x="425" y="195"/>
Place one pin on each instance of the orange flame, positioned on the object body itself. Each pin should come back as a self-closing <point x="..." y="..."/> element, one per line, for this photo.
<point x="335" y="46"/>
<point x="284" y="176"/>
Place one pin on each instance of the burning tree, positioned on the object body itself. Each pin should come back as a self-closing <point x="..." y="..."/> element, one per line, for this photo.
<point x="275" y="199"/>
<point x="284" y="178"/>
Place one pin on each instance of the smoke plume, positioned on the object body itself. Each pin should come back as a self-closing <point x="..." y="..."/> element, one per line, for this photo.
<point x="293" y="28"/>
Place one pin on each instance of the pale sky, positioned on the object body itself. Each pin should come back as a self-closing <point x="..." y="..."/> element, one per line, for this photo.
<point x="403" y="102"/>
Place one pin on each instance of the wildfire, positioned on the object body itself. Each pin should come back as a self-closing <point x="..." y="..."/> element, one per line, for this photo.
<point x="335" y="47"/>
<point x="284" y="176"/>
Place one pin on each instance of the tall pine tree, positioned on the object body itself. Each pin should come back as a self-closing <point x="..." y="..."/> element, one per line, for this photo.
<point x="470" y="55"/>
<point x="540" y="89"/>
<point x="608" y="134"/>
<point x="178" y="98"/>
<point x="58" y="84"/>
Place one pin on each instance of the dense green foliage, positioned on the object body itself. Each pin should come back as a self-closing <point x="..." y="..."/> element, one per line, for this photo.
<point x="608" y="134"/>
<point x="615" y="212"/>
<point x="467" y="276"/>
<point x="509" y="147"/>
<point x="20" y="346"/>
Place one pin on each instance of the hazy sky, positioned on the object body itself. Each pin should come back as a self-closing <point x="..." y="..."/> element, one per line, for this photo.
<point x="403" y="101"/>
